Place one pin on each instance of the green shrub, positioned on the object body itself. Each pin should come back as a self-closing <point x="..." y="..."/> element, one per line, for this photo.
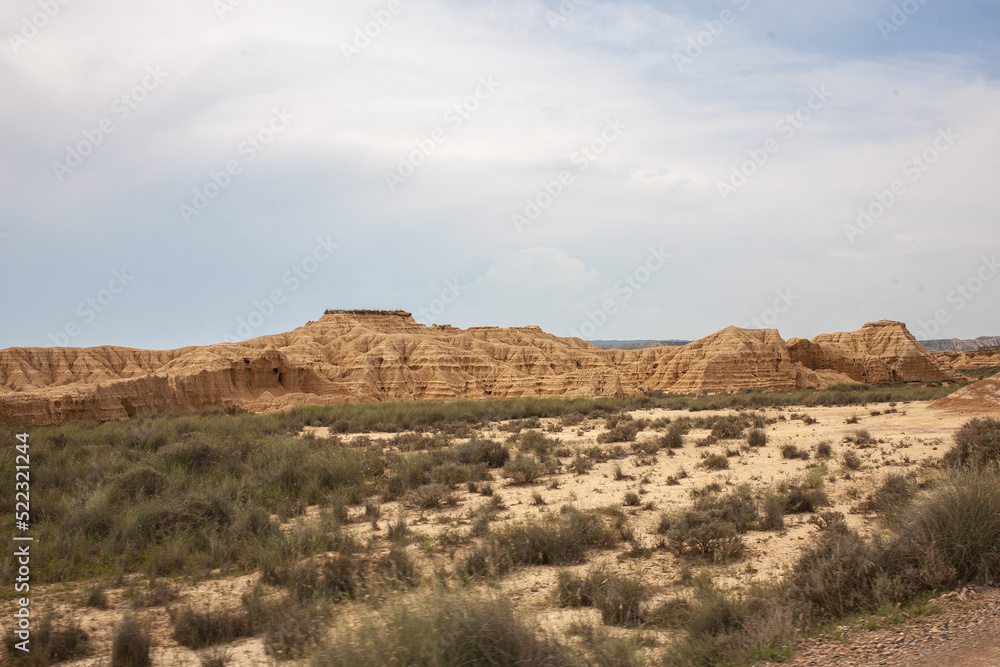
<point x="714" y="462"/>
<point x="698" y="534"/>
<point x="851" y="460"/>
<point x="958" y="525"/>
<point x="525" y="469"/>
<point x="791" y="451"/>
<point x="430" y="496"/>
<point x="130" y="644"/>
<point x="894" y="493"/>
<point x="619" y="598"/>
<point x="48" y="643"/>
<point x="488" y="452"/>
<point x="977" y="443"/>
<point x="197" y="629"/>
<point x="560" y="540"/>
<point x="729" y="628"/>
<point x="428" y="631"/>
<point x="756" y="437"/>
<point x="842" y="573"/>
<point x="728" y="427"/>
<point x="622" y="432"/>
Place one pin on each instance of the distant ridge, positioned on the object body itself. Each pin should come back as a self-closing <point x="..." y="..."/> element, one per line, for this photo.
<point x="960" y="345"/>
<point x="636" y="344"/>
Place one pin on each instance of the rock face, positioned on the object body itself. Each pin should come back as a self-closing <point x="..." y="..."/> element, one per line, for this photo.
<point x="983" y="358"/>
<point x="347" y="357"/>
<point x="878" y="353"/>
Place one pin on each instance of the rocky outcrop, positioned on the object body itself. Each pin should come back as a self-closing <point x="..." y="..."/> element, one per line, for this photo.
<point x="878" y="353"/>
<point x="349" y="357"/>
<point x="983" y="358"/>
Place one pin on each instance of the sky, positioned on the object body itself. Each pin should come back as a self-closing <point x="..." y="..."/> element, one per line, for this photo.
<point x="198" y="171"/>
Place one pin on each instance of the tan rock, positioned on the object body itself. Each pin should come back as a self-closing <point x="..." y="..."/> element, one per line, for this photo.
<point x="347" y="357"/>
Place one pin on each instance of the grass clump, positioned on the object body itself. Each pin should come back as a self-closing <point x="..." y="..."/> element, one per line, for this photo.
<point x="619" y="598"/>
<point x="756" y="437"/>
<point x="791" y="451"/>
<point x="714" y="461"/>
<point x="525" y="469"/>
<point x="131" y="644"/>
<point x="49" y="643"/>
<point x="977" y="443"/>
<point x="441" y="629"/>
<point x="562" y="540"/>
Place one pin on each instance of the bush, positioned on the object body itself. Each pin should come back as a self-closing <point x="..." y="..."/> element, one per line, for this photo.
<point x="977" y="443"/>
<point x="431" y="496"/>
<point x="198" y="629"/>
<point x="791" y="451"/>
<point x="545" y="541"/>
<point x="851" y="460"/>
<point x="803" y="496"/>
<point x="729" y="628"/>
<point x="632" y="499"/>
<point x="488" y="452"/>
<point x="958" y="525"/>
<point x="49" y="644"/>
<point x="441" y="630"/>
<point x="824" y="450"/>
<point x="842" y="574"/>
<point x="619" y="598"/>
<point x="756" y="437"/>
<point x="714" y="462"/>
<point x="699" y="534"/>
<point x="891" y="496"/>
<point x="130" y="645"/>
<point x="525" y="469"/>
<point x="673" y="438"/>
<point x="773" y="512"/>
<point x="622" y="432"/>
<point x="729" y="427"/>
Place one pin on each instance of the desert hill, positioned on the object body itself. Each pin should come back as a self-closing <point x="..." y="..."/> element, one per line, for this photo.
<point x="979" y="396"/>
<point x="960" y="345"/>
<point x="354" y="357"/>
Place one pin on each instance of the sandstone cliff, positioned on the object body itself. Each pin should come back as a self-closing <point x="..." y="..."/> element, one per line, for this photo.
<point x="347" y="357"/>
<point x="878" y="353"/>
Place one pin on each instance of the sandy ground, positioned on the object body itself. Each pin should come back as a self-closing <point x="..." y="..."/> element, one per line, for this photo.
<point x="906" y="441"/>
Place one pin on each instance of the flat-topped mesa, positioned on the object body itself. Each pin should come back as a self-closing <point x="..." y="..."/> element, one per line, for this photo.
<point x="878" y="353"/>
<point x="353" y="356"/>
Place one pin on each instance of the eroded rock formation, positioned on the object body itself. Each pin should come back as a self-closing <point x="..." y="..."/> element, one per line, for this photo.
<point x="346" y="357"/>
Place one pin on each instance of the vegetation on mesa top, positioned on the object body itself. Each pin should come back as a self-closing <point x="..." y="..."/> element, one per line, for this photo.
<point x="355" y="311"/>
